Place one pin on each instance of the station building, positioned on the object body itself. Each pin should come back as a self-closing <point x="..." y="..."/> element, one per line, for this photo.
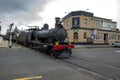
<point x="84" y="27"/>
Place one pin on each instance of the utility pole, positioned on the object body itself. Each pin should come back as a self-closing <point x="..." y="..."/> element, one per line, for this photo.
<point x="10" y="26"/>
<point x="0" y="27"/>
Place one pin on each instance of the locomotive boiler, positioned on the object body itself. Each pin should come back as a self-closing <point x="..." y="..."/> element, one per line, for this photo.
<point x="51" y="35"/>
<point x="52" y="41"/>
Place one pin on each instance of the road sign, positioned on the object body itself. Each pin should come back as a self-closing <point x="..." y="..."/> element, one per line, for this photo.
<point x="95" y="31"/>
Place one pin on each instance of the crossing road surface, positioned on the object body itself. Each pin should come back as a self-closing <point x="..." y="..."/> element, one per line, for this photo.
<point x="26" y="64"/>
<point x="104" y="61"/>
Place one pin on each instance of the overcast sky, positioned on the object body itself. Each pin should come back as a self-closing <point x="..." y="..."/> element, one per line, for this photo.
<point x="38" y="12"/>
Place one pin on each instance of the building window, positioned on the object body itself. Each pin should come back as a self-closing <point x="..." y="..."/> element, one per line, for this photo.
<point x="109" y="24"/>
<point x="118" y="37"/>
<point x="105" y="24"/>
<point x="114" y="25"/>
<point x="99" y="36"/>
<point x="98" y="23"/>
<point x="75" y="35"/>
<point x="112" y="37"/>
<point x="85" y="22"/>
<point x="85" y="35"/>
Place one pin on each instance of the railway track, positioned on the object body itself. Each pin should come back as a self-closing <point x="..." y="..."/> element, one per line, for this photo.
<point x="93" y="66"/>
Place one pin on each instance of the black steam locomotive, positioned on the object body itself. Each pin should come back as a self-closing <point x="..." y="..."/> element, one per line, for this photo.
<point x="52" y="41"/>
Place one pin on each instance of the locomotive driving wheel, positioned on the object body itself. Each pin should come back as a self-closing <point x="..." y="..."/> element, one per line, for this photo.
<point x="53" y="53"/>
<point x="66" y="54"/>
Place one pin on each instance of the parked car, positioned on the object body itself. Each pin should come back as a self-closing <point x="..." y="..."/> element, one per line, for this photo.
<point x="117" y="44"/>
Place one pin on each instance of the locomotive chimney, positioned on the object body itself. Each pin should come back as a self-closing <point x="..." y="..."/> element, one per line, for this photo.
<point x="45" y="26"/>
<point x="57" y="21"/>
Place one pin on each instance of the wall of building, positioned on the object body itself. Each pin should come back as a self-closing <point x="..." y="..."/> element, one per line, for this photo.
<point x="100" y="30"/>
<point x="111" y="37"/>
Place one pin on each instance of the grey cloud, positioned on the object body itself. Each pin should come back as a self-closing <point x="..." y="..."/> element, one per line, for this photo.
<point x="118" y="7"/>
<point x="21" y="10"/>
<point x="8" y="6"/>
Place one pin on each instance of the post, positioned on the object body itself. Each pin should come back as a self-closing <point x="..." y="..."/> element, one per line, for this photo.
<point x="10" y="45"/>
<point x="0" y="27"/>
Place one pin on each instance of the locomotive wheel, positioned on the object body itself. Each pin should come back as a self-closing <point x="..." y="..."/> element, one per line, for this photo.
<point x="25" y="44"/>
<point x="69" y="54"/>
<point x="64" y="54"/>
<point x="53" y="54"/>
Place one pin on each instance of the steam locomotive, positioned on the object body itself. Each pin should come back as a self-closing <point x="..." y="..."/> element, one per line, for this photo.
<point x="51" y="41"/>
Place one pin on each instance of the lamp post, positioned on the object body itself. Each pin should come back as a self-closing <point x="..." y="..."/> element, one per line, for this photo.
<point x="10" y="26"/>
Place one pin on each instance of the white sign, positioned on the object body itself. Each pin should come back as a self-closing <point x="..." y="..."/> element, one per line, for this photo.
<point x="95" y="31"/>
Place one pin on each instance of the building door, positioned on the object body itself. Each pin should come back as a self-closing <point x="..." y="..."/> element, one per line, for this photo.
<point x="75" y="37"/>
<point x="105" y="38"/>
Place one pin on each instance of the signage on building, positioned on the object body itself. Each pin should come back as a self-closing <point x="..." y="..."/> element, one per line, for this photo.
<point x="76" y="30"/>
<point x="95" y="31"/>
<point x="92" y="35"/>
<point x="75" y="22"/>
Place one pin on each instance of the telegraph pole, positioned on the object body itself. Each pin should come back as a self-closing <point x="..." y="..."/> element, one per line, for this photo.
<point x="10" y="26"/>
<point x="0" y="27"/>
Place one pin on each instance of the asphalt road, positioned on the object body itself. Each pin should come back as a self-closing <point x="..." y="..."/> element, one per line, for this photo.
<point x="105" y="55"/>
<point x="104" y="61"/>
<point x="25" y="64"/>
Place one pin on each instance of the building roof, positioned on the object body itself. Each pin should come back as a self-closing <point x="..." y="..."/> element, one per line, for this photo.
<point x="84" y="13"/>
<point x="77" y="13"/>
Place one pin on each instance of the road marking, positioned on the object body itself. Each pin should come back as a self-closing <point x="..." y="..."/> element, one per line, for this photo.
<point x="29" y="78"/>
<point x="117" y="51"/>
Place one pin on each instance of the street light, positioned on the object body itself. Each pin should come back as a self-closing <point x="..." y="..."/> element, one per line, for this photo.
<point x="10" y="26"/>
